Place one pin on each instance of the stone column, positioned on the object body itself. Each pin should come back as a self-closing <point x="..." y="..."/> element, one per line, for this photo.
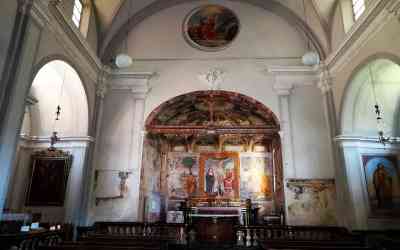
<point x="284" y="91"/>
<point x="342" y="203"/>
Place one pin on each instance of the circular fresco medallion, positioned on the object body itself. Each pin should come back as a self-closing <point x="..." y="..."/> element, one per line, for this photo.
<point x="211" y="27"/>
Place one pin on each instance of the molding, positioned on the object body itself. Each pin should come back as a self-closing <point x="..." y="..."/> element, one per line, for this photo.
<point x="102" y="83"/>
<point x="366" y="142"/>
<point x="136" y="82"/>
<point x="369" y="24"/>
<point x="283" y="89"/>
<point x="27" y="141"/>
<point x="117" y="74"/>
<point x="288" y="77"/>
<point x="303" y="70"/>
<point x="325" y="79"/>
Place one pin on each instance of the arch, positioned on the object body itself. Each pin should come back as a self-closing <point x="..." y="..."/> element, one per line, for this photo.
<point x="162" y="119"/>
<point x="47" y="59"/>
<point x="119" y="31"/>
<point x="352" y="92"/>
<point x="71" y="90"/>
<point x="173" y="140"/>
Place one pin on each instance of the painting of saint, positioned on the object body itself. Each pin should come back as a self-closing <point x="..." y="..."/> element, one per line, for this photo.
<point x="256" y="173"/>
<point x="220" y="174"/>
<point x="383" y="185"/>
<point x="211" y="27"/>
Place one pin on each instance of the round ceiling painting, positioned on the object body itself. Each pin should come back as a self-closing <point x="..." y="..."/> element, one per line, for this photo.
<point x="211" y="27"/>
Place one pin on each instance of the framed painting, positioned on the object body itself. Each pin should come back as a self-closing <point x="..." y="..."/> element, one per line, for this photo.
<point x="49" y="177"/>
<point x="211" y="27"/>
<point x="219" y="175"/>
<point x="382" y="178"/>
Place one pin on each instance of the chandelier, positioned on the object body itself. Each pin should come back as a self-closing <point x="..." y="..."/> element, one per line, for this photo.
<point x="54" y="138"/>
<point x="378" y="112"/>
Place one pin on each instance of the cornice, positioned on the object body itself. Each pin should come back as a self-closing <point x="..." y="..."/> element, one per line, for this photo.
<point x="369" y="24"/>
<point x="363" y="141"/>
<point x="135" y="82"/>
<point x="27" y="141"/>
<point x="288" y="77"/>
<point x="116" y="74"/>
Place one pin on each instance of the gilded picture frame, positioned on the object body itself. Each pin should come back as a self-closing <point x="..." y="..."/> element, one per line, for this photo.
<point x="219" y="175"/>
<point x="48" y="178"/>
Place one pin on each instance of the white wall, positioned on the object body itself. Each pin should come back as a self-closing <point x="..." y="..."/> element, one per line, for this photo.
<point x="312" y="155"/>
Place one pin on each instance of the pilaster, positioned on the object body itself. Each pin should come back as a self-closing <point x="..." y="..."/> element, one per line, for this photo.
<point x="284" y="91"/>
<point x="325" y="83"/>
<point x="137" y="84"/>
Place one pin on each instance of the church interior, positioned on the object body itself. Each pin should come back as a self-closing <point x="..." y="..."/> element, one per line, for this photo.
<point x="199" y="124"/>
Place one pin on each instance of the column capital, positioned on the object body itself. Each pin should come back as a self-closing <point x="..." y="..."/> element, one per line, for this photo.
<point x="139" y="95"/>
<point x="325" y="79"/>
<point x="283" y="89"/>
<point x="102" y="86"/>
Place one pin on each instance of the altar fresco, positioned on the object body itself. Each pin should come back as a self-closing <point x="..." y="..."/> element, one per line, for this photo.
<point x="183" y="171"/>
<point x="311" y="202"/>
<point x="256" y="182"/>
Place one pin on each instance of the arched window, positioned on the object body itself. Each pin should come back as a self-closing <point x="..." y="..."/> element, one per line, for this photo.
<point x="358" y="8"/>
<point x="81" y="15"/>
<point x="77" y="13"/>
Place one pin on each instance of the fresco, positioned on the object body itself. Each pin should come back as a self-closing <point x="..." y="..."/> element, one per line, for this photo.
<point x="153" y="207"/>
<point x="151" y="168"/>
<point x="183" y="172"/>
<point x="256" y="182"/>
<point x="219" y="175"/>
<point x="311" y="202"/>
<point x="382" y="181"/>
<point x="211" y="27"/>
<point x="217" y="108"/>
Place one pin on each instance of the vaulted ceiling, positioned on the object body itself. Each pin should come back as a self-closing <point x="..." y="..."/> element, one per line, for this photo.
<point x="113" y="13"/>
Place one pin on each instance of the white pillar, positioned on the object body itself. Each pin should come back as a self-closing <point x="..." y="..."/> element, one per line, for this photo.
<point x="137" y="148"/>
<point x="343" y="204"/>
<point x="89" y="198"/>
<point x="284" y="91"/>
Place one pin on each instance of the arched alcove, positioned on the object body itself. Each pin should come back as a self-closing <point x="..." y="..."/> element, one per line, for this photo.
<point x="197" y="133"/>
<point x="377" y="81"/>
<point x="57" y="83"/>
<point x="358" y="114"/>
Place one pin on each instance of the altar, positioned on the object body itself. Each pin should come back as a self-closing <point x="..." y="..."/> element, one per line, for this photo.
<point x="215" y="224"/>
